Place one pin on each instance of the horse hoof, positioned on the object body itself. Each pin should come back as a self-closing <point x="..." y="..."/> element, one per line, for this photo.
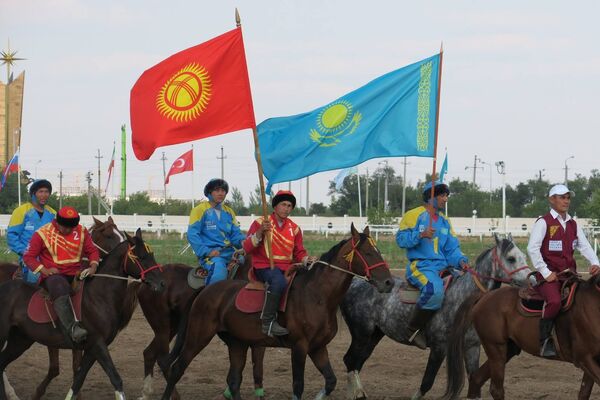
<point x="119" y="395"/>
<point x="417" y="396"/>
<point x="355" y="389"/>
<point x="322" y="395"/>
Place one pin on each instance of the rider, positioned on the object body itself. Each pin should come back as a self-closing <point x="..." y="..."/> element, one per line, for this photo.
<point x="287" y="246"/>
<point x="431" y="247"/>
<point x="55" y="251"/>
<point x="553" y="240"/>
<point x="28" y="218"/>
<point x="214" y="232"/>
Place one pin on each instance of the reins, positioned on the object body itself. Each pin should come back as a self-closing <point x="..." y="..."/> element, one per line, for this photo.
<point x="133" y="258"/>
<point x="496" y="262"/>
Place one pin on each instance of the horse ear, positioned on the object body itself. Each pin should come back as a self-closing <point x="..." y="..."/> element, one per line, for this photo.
<point x="509" y="237"/>
<point x="96" y="221"/>
<point x="110" y="220"/>
<point x="353" y="230"/>
<point x="138" y="233"/>
<point x="366" y="231"/>
<point x="497" y="239"/>
<point x="129" y="238"/>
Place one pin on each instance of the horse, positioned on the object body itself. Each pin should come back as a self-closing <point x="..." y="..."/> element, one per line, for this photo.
<point x="370" y="316"/>
<point x="310" y="316"/>
<point x="105" y="236"/>
<point x="102" y="310"/>
<point x="165" y="311"/>
<point x="504" y="332"/>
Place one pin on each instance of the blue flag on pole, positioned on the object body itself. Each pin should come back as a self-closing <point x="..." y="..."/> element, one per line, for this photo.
<point x="444" y="168"/>
<point x="339" y="178"/>
<point x="391" y="116"/>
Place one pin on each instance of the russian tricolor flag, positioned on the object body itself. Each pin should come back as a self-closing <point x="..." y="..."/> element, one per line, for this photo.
<point x="13" y="166"/>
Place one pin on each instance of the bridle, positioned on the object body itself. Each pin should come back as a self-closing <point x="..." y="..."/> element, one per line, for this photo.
<point x="496" y="264"/>
<point x="136" y="261"/>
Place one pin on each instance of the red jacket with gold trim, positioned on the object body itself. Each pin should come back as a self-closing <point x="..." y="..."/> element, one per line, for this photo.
<point x="287" y="242"/>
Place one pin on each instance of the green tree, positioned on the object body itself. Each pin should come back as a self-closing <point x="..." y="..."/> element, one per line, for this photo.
<point x="236" y="202"/>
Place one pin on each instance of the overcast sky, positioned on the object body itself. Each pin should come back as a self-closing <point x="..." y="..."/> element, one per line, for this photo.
<point x="520" y="79"/>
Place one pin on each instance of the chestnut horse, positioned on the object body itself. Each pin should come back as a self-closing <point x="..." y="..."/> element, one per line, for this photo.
<point x="310" y="316"/>
<point x="504" y="332"/>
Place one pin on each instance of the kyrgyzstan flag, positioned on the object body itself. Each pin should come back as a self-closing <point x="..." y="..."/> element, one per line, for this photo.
<point x="199" y="92"/>
<point x="182" y="164"/>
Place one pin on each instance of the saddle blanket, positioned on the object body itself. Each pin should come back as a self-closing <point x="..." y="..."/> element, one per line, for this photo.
<point x="41" y="311"/>
<point x="250" y="298"/>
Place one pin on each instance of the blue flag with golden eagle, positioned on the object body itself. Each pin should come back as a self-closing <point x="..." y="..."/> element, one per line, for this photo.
<point x="391" y="116"/>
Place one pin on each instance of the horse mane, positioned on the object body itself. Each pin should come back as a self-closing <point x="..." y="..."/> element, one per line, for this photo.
<point x="504" y="246"/>
<point x="331" y="253"/>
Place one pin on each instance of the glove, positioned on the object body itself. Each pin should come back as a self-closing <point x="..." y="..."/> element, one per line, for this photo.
<point x="307" y="261"/>
<point x="85" y="273"/>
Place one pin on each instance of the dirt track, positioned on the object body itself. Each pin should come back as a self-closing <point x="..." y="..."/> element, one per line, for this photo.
<point x="393" y="372"/>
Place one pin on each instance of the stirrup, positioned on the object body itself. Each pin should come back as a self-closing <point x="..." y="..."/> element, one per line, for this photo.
<point x="548" y="350"/>
<point x="274" y="329"/>
<point x="418" y="339"/>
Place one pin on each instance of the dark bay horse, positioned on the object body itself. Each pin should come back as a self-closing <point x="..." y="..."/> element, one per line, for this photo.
<point x="102" y="312"/>
<point x="165" y="311"/>
<point x="310" y="316"/>
<point x="504" y="332"/>
<point x="370" y="315"/>
<point x="105" y="236"/>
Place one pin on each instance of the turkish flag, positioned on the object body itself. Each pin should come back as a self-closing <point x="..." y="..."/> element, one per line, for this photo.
<point x="199" y="92"/>
<point x="182" y="164"/>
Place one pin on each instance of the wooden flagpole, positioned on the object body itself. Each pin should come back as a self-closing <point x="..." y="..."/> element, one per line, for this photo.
<point x="268" y="236"/>
<point x="435" y="140"/>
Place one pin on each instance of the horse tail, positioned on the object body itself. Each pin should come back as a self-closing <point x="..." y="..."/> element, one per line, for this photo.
<point x="129" y="305"/>
<point x="182" y="330"/>
<point x="456" y="347"/>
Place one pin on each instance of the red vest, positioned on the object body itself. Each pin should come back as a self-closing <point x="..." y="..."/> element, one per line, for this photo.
<point x="558" y="246"/>
<point x="63" y="249"/>
<point x="283" y="240"/>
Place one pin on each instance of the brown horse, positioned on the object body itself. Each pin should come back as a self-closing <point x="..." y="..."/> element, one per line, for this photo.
<point x="105" y="236"/>
<point x="102" y="311"/>
<point x="504" y="332"/>
<point x="165" y="311"/>
<point x="310" y="316"/>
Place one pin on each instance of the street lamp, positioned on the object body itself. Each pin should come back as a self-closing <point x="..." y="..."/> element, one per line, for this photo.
<point x="385" y="190"/>
<point x="567" y="169"/>
<point x="501" y="167"/>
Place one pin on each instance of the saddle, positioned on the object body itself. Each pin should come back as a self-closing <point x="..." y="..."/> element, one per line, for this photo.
<point x="531" y="302"/>
<point x="250" y="298"/>
<point x="41" y="311"/>
<point x="409" y="294"/>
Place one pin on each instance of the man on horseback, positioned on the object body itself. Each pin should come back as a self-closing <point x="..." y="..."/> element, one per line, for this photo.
<point x="431" y="247"/>
<point x="28" y="218"/>
<point x="214" y="233"/>
<point x="55" y="251"/>
<point x="287" y="248"/>
<point x="552" y="243"/>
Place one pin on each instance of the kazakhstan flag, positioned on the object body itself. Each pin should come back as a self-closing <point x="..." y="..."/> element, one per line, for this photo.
<point x="392" y="116"/>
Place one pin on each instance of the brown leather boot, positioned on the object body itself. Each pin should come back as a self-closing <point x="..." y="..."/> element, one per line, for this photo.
<point x="418" y="319"/>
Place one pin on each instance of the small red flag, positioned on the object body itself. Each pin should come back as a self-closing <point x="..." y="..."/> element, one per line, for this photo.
<point x="199" y="92"/>
<point x="182" y="164"/>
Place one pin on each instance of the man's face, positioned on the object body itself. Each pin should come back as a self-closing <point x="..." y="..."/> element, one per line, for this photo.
<point x="42" y="195"/>
<point x="442" y="199"/>
<point x="65" y="230"/>
<point x="218" y="195"/>
<point x="560" y="202"/>
<point x="283" y="209"/>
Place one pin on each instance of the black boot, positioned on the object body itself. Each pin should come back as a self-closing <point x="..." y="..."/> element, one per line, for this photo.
<point x="270" y="326"/>
<point x="547" y="348"/>
<point x="66" y="315"/>
<point x="418" y="319"/>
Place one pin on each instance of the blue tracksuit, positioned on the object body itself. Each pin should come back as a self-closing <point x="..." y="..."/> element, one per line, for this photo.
<point x="24" y="221"/>
<point x="214" y="228"/>
<point x="428" y="257"/>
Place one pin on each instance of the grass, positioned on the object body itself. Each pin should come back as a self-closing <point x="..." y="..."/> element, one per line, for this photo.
<point x="167" y="249"/>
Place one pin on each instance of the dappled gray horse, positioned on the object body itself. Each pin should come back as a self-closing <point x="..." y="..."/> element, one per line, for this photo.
<point x="371" y="315"/>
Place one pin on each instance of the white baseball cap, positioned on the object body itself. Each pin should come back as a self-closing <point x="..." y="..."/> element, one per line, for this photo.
<point x="559" y="190"/>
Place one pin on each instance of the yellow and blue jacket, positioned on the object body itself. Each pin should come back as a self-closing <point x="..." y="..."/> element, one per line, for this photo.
<point x="440" y="252"/>
<point x="213" y="228"/>
<point x="24" y="221"/>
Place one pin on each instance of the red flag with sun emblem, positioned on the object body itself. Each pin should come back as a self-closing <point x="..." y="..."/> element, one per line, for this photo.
<point x="184" y="163"/>
<point x="197" y="93"/>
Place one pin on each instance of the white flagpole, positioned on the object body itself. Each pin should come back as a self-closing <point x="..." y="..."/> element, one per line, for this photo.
<point x="19" y="174"/>
<point x="193" y="178"/>
<point x="359" y="196"/>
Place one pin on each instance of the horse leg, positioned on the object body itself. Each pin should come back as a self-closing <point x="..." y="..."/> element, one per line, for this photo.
<point x="258" y="356"/>
<point x="587" y="384"/>
<point x="360" y="350"/>
<point x="104" y="359"/>
<point x="75" y="363"/>
<point x="158" y="348"/>
<point x="434" y="362"/>
<point x="14" y="347"/>
<point x="497" y="354"/>
<point x="298" y="365"/>
<point x="237" y="360"/>
<point x="478" y="376"/>
<point x="87" y="360"/>
<point x="320" y="358"/>
<point x="53" y="372"/>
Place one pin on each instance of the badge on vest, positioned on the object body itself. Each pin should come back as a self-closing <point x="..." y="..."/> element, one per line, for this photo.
<point x="555" y="245"/>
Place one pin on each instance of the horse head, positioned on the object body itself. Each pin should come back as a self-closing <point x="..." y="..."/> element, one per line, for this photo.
<point x="365" y="259"/>
<point x="105" y="235"/>
<point x="140" y="262"/>
<point x="509" y="263"/>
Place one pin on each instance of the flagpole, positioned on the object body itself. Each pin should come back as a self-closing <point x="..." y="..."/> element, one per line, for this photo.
<point x="268" y="237"/>
<point x="359" y="196"/>
<point x="435" y="140"/>
<point x="19" y="174"/>
<point x="193" y="178"/>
